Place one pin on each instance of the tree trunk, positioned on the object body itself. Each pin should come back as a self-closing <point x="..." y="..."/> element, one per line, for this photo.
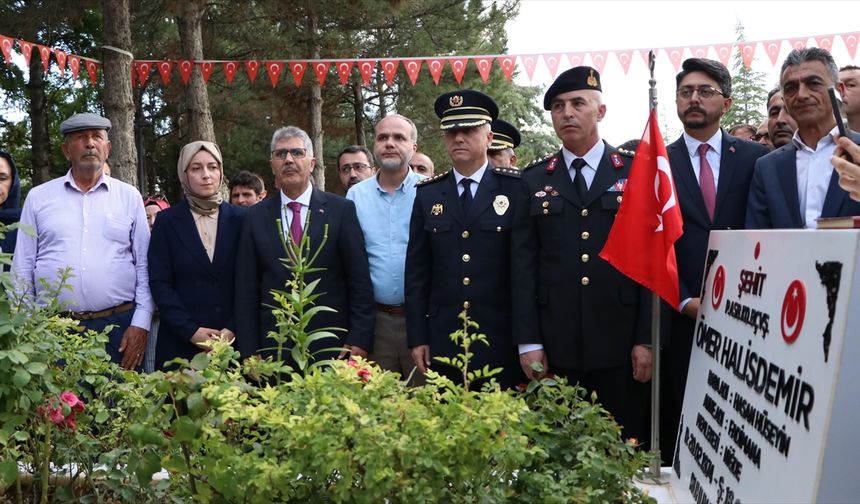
<point x="118" y="101"/>
<point x="358" y="107"/>
<point x="316" y="130"/>
<point x="40" y="144"/>
<point x="200" y="126"/>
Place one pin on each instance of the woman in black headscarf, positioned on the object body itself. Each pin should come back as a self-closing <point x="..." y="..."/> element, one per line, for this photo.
<point x="10" y="196"/>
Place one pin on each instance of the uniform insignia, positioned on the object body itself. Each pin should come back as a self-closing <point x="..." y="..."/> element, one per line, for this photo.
<point x="437" y="209"/>
<point x="591" y="80"/>
<point x="455" y="101"/>
<point x="547" y="188"/>
<point x="432" y="179"/>
<point x="554" y="192"/>
<point x="501" y="204"/>
<point x="510" y="172"/>
<point x="552" y="162"/>
<point x="540" y="194"/>
<point x="616" y="160"/>
<point x="619" y="185"/>
<point x="732" y="149"/>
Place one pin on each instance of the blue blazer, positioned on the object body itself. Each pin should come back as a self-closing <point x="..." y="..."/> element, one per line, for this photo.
<point x="774" y="202"/>
<point x="189" y="290"/>
<point x="343" y="274"/>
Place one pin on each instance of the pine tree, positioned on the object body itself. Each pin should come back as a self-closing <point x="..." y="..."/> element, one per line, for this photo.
<point x="748" y="91"/>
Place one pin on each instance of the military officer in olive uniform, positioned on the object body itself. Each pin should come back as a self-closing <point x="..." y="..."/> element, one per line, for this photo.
<point x="574" y="313"/>
<point x="459" y="246"/>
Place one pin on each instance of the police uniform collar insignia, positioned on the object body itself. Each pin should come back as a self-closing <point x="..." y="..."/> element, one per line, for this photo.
<point x="501" y="204"/>
<point x="591" y="80"/>
<point x="616" y="160"/>
<point x="552" y="162"/>
<point x="455" y="101"/>
<point x="437" y="209"/>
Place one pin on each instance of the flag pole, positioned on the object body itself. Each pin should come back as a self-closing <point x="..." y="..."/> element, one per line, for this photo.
<point x="655" y="329"/>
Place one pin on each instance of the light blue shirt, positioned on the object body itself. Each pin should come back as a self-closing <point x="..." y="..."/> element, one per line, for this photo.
<point x="384" y="219"/>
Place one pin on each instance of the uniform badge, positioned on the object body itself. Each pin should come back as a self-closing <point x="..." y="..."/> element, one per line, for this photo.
<point x="554" y="192"/>
<point x="552" y="162"/>
<point x="591" y="80"/>
<point x="619" y="185"/>
<point x="437" y="209"/>
<point x="501" y="204"/>
<point x="540" y="194"/>
<point x="547" y="188"/>
<point x="455" y="101"/>
<point x="616" y="160"/>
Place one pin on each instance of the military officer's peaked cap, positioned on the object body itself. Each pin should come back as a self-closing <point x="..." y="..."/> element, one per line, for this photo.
<point x="85" y="121"/>
<point x="581" y="77"/>
<point x="505" y="135"/>
<point x="465" y="108"/>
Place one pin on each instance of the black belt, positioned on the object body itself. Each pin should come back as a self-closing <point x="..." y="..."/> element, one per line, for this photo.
<point x="91" y="315"/>
<point x="391" y="309"/>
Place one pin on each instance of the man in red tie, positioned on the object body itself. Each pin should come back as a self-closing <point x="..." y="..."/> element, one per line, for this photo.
<point x="342" y="267"/>
<point x="712" y="172"/>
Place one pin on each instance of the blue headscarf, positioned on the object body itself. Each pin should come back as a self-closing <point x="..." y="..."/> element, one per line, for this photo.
<point x="10" y="210"/>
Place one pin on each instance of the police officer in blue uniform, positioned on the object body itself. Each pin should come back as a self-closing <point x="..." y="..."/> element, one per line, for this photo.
<point x="574" y="313"/>
<point x="506" y="138"/>
<point x="459" y="246"/>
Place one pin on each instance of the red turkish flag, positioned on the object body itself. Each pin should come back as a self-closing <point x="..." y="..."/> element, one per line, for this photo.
<point x="164" y="69"/>
<point x="825" y="42"/>
<point x="365" y="68"/>
<point x="389" y="68"/>
<point x="552" y="61"/>
<point x="772" y="48"/>
<point x="645" y="56"/>
<point x="206" y="68"/>
<point x="435" y="65"/>
<point x="251" y="66"/>
<point x="45" y="53"/>
<point x="675" y="54"/>
<point x="6" y="46"/>
<point x="798" y="43"/>
<point x="850" y="40"/>
<point x="484" y="66"/>
<point x="74" y="65"/>
<point x="576" y="59"/>
<point x="699" y="51"/>
<point x="458" y="67"/>
<point x="412" y="66"/>
<point x="185" y="68"/>
<point x="230" y="68"/>
<point x="344" y="69"/>
<point x="529" y="62"/>
<point x="26" y="51"/>
<point x="92" y="71"/>
<point x="507" y="63"/>
<point x="598" y="59"/>
<point x="60" y="56"/>
<point x="321" y="70"/>
<point x="274" y="69"/>
<point x="747" y="50"/>
<point x="641" y="243"/>
<point x="624" y="58"/>
<point x="724" y="52"/>
<point x="296" y="67"/>
<point x="143" y="69"/>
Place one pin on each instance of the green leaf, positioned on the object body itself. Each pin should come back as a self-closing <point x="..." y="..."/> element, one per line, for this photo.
<point x="101" y="416"/>
<point x="200" y="361"/>
<point x="17" y="357"/>
<point x="150" y="464"/>
<point x="196" y="404"/>
<point x="36" y="368"/>
<point x="187" y="429"/>
<point x="8" y="472"/>
<point x="21" y="378"/>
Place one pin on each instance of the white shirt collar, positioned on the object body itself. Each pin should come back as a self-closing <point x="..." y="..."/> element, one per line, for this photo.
<point x="304" y="198"/>
<point x="592" y="157"/>
<point x="475" y="177"/>
<point x="716" y="143"/>
<point x="828" y="138"/>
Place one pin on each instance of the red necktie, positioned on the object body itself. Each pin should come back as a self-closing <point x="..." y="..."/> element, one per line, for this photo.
<point x="296" y="223"/>
<point x="706" y="180"/>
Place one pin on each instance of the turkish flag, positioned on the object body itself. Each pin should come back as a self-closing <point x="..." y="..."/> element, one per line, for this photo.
<point x="641" y="243"/>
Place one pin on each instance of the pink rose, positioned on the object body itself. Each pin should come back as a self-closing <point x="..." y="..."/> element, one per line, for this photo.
<point x="72" y="400"/>
<point x="364" y="374"/>
<point x="56" y="415"/>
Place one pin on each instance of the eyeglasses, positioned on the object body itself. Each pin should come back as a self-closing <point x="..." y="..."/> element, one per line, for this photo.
<point x="705" y="92"/>
<point x="296" y="152"/>
<point x="758" y="136"/>
<point x="358" y="167"/>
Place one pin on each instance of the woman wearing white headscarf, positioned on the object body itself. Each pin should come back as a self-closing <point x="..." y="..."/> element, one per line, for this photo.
<point x="192" y="257"/>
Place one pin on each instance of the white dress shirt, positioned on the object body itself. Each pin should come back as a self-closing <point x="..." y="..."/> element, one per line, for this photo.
<point x="287" y="214"/>
<point x="713" y="155"/>
<point x="813" y="175"/>
<point x="475" y="177"/>
<point x="592" y="157"/>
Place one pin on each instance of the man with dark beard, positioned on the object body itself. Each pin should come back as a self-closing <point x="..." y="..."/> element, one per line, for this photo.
<point x="712" y="172"/>
<point x="780" y="125"/>
<point x="384" y="205"/>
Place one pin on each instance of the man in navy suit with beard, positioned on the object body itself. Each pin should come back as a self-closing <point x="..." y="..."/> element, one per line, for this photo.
<point x="712" y="172"/>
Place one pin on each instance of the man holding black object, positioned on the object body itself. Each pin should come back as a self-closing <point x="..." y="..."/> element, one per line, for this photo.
<point x="795" y="185"/>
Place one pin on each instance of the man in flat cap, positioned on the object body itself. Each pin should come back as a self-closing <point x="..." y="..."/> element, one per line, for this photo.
<point x="459" y="240"/>
<point x="506" y="138"/>
<point x="712" y="172"/>
<point x="574" y="314"/>
<point x="96" y="226"/>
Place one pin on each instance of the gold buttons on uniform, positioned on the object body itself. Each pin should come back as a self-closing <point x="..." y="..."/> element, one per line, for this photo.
<point x="466" y="258"/>
<point x="466" y="305"/>
<point x="618" y="199"/>
<point x="585" y="212"/>
<point x="545" y="204"/>
<point x="465" y="234"/>
<point x="466" y="281"/>
<point x="585" y="280"/>
<point x="498" y="229"/>
<point x="585" y="258"/>
<point x="545" y="211"/>
<point x="585" y="235"/>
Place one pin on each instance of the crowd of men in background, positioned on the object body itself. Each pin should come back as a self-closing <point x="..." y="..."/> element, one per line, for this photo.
<point x="406" y="251"/>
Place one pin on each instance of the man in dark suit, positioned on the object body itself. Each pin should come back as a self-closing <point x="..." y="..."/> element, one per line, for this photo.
<point x="796" y="184"/>
<point x="344" y="274"/>
<point x="712" y="172"/>
<point x="459" y="238"/>
<point x="573" y="312"/>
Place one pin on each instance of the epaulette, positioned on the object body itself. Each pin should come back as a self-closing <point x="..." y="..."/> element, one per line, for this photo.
<point x="510" y="172"/>
<point x="541" y="161"/>
<point x="432" y="179"/>
<point x="625" y="152"/>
